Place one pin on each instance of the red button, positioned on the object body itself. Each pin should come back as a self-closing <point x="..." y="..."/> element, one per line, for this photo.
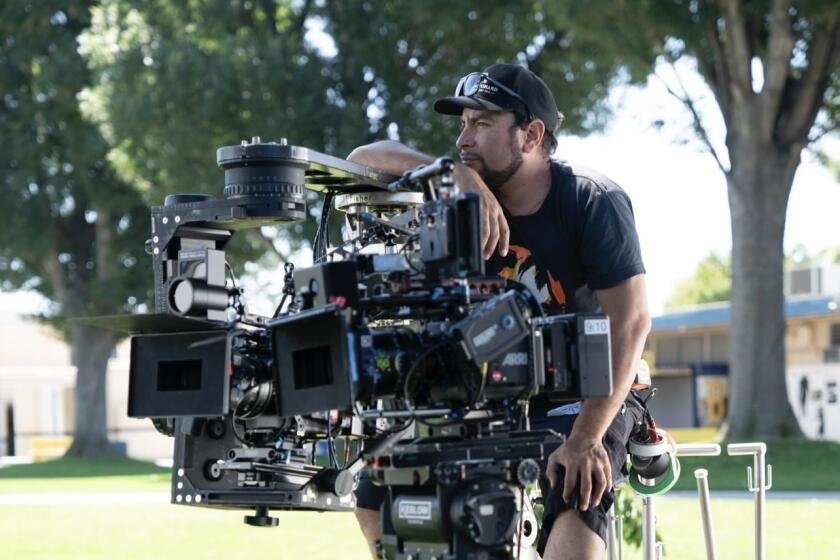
<point x="496" y="376"/>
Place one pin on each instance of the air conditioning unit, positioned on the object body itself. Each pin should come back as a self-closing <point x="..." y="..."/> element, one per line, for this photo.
<point x="804" y="281"/>
<point x="813" y="280"/>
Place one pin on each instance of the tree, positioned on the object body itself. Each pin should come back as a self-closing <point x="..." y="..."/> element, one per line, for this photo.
<point x="710" y="283"/>
<point x="71" y="230"/>
<point x="174" y="81"/>
<point x="772" y="67"/>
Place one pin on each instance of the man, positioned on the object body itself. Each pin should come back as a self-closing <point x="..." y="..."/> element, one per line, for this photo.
<point x="569" y="235"/>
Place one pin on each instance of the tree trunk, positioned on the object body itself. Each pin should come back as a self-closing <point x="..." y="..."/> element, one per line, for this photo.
<point x="90" y="348"/>
<point x="759" y="186"/>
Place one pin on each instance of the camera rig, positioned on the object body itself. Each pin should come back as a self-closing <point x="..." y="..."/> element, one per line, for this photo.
<point x="393" y="352"/>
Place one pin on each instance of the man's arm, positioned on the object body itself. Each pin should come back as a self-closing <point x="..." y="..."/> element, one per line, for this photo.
<point x="396" y="158"/>
<point x="390" y="156"/>
<point x="583" y="454"/>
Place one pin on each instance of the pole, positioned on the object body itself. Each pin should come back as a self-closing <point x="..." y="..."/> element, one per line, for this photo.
<point x="763" y="482"/>
<point x="702" y="476"/>
<point x="615" y="535"/>
<point x="649" y="528"/>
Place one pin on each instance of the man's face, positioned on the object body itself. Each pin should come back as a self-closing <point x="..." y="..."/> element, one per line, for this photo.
<point x="490" y="143"/>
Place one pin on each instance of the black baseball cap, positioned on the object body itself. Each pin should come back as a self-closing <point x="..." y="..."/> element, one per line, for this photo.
<point x="503" y="87"/>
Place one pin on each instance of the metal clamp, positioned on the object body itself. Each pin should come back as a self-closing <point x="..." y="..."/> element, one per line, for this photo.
<point x="755" y="487"/>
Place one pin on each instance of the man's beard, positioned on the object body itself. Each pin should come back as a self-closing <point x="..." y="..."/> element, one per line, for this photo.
<point x="495" y="179"/>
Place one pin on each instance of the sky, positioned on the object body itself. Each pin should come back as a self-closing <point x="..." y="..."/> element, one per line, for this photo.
<point x="678" y="192"/>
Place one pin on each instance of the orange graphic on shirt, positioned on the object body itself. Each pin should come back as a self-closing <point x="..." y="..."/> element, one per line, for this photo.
<point x="556" y="290"/>
<point x="545" y="287"/>
<point x="521" y="254"/>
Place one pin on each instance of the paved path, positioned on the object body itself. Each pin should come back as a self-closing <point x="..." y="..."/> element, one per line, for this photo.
<point x="84" y="498"/>
<point x="744" y="495"/>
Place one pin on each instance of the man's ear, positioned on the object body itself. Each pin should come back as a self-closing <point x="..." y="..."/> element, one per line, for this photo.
<point x="534" y="134"/>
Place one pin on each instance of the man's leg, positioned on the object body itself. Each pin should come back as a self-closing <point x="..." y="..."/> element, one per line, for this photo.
<point x="369" y="522"/>
<point x="572" y="534"/>
<point x="571" y="538"/>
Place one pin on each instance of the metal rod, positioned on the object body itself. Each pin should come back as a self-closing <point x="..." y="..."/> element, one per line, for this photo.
<point x="660" y="550"/>
<point x="619" y="530"/>
<point x="702" y="476"/>
<point x="611" y="537"/>
<point x="649" y="528"/>
<point x="758" y="486"/>
<point x="405" y="413"/>
<point x="758" y="461"/>
<point x="698" y="449"/>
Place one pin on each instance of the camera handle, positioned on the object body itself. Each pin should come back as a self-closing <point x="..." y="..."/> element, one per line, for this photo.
<point x="422" y="176"/>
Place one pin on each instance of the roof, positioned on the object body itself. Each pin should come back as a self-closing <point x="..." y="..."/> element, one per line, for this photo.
<point x="717" y="314"/>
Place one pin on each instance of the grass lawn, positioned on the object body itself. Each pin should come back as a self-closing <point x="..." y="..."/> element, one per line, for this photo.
<point x="806" y="529"/>
<point x="797" y="465"/>
<point x="795" y="530"/>
<point x="85" y="475"/>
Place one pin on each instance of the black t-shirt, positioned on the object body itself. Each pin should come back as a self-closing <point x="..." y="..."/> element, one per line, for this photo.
<point x="582" y="238"/>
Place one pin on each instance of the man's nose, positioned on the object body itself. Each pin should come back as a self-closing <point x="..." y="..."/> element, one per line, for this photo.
<point x="464" y="139"/>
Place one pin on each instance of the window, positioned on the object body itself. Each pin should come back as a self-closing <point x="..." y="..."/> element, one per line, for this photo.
<point x="835" y="334"/>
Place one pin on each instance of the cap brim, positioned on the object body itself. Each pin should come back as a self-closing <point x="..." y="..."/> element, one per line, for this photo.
<point x="455" y="105"/>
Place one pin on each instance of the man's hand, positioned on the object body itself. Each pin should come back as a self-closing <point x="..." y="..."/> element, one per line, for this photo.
<point x="494" y="226"/>
<point x="585" y="460"/>
<point x="395" y="158"/>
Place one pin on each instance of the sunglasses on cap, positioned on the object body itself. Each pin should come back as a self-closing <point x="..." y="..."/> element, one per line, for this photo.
<point x="489" y="88"/>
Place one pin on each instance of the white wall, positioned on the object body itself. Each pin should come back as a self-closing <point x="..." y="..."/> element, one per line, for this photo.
<point x="814" y="394"/>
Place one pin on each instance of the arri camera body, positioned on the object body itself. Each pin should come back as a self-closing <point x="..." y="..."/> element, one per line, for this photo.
<point x="393" y="352"/>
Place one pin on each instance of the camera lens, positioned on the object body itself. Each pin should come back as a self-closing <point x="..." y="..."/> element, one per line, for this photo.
<point x="265" y="173"/>
<point x="189" y="296"/>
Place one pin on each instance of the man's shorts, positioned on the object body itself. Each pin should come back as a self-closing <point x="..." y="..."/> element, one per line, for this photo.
<point x="370" y="496"/>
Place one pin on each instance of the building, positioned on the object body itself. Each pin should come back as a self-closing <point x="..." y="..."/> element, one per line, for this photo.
<point x="690" y="352"/>
<point x="36" y="389"/>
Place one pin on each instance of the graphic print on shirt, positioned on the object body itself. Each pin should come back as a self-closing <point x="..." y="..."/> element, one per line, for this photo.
<point x="521" y="267"/>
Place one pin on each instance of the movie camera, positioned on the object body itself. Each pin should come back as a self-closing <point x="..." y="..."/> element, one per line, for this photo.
<point x="392" y="351"/>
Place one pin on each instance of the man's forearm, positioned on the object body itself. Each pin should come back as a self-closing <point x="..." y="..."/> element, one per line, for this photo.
<point x="626" y="306"/>
<point x="627" y="342"/>
<point x="390" y="156"/>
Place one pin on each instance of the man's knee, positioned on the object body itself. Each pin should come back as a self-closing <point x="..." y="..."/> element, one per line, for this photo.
<point x="571" y="537"/>
<point x="369" y="522"/>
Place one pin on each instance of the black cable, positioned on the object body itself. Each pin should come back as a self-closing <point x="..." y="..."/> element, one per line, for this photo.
<point x="322" y="241"/>
<point x="414" y="367"/>
<point x="535" y="305"/>
<point x="233" y="421"/>
<point x="280" y="306"/>
<point x="330" y="447"/>
<point x="404" y="251"/>
<point x="232" y="275"/>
